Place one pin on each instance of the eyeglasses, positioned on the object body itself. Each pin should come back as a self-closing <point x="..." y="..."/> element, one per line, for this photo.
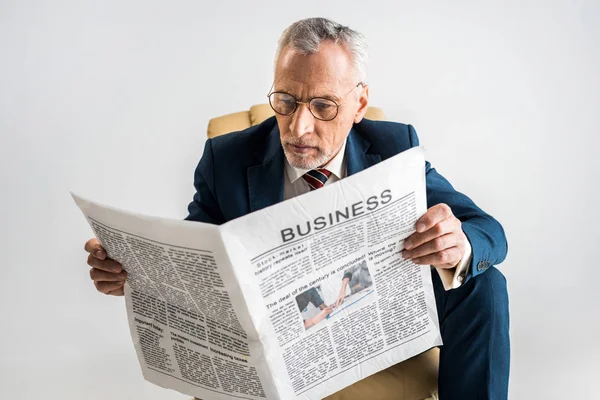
<point x="321" y="108"/>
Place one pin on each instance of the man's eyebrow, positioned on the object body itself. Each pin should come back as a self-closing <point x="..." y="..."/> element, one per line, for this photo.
<point x="326" y="95"/>
<point x="329" y="97"/>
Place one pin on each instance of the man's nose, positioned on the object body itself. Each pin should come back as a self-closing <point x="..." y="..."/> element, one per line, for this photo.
<point x="302" y="121"/>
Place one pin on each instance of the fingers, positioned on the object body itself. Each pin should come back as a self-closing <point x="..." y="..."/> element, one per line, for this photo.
<point x="108" y="275"/>
<point x="439" y="240"/>
<point x="108" y="282"/>
<point x="443" y="227"/>
<point x="117" y="292"/>
<point x="100" y="275"/>
<point x="107" y="264"/>
<point x="435" y="245"/>
<point x="94" y="247"/>
<point x="108" y="287"/>
<point x="433" y="216"/>
<point x="447" y="258"/>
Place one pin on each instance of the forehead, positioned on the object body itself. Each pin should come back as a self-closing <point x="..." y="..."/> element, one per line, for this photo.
<point x="328" y="71"/>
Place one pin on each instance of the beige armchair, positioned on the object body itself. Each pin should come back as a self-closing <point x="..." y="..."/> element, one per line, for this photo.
<point x="413" y="379"/>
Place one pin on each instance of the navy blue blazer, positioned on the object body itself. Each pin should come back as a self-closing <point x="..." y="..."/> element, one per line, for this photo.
<point x="243" y="172"/>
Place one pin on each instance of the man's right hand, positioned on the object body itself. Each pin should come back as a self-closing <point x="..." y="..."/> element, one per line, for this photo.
<point x="107" y="274"/>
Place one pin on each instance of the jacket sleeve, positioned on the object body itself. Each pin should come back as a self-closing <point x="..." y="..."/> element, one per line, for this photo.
<point x="205" y="206"/>
<point x="485" y="234"/>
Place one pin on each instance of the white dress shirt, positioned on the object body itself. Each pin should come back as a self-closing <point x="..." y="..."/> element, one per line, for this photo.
<point x="295" y="186"/>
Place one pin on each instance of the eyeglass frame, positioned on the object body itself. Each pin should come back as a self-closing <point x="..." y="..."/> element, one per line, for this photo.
<point x="343" y="98"/>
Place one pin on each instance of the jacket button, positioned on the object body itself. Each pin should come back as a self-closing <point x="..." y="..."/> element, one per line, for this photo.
<point x="483" y="265"/>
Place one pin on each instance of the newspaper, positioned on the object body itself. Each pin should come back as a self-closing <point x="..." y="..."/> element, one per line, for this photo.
<point x="294" y="301"/>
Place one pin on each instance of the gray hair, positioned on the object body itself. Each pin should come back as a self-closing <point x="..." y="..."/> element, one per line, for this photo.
<point x="306" y="35"/>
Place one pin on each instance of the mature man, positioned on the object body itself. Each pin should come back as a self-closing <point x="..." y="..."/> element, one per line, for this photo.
<point x="319" y="136"/>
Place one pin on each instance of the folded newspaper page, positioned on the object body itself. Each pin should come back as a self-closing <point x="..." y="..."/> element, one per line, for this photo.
<point x="294" y="301"/>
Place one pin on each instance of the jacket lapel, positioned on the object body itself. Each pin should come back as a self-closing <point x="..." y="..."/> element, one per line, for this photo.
<point x="357" y="158"/>
<point x="265" y="181"/>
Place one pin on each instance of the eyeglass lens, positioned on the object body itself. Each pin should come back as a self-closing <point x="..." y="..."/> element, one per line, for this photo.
<point x="285" y="104"/>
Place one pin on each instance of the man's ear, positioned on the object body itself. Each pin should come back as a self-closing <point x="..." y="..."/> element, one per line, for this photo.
<point x="363" y="104"/>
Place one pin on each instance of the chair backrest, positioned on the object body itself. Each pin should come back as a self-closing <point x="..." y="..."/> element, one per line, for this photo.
<point x="245" y="119"/>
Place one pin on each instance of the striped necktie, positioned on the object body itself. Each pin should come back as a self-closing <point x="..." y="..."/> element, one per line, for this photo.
<point x="316" y="178"/>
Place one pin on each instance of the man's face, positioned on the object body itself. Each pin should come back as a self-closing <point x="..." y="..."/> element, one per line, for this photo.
<point x="309" y="143"/>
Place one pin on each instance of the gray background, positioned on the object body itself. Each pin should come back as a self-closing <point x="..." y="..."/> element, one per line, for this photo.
<point x="112" y="98"/>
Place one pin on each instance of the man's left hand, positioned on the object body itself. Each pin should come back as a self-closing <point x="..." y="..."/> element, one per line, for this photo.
<point x="439" y="239"/>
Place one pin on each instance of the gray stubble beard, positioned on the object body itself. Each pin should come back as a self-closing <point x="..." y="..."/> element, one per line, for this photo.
<point x="318" y="161"/>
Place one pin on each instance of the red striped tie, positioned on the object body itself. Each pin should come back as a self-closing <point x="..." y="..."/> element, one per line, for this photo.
<point x="316" y="178"/>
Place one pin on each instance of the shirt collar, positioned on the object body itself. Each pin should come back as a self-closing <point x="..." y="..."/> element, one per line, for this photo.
<point x="335" y="166"/>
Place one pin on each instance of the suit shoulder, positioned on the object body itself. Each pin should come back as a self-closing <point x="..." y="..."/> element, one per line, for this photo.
<point x="242" y="145"/>
<point x="387" y="136"/>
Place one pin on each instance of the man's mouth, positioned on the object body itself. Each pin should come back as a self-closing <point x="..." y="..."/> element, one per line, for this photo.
<point x="300" y="148"/>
